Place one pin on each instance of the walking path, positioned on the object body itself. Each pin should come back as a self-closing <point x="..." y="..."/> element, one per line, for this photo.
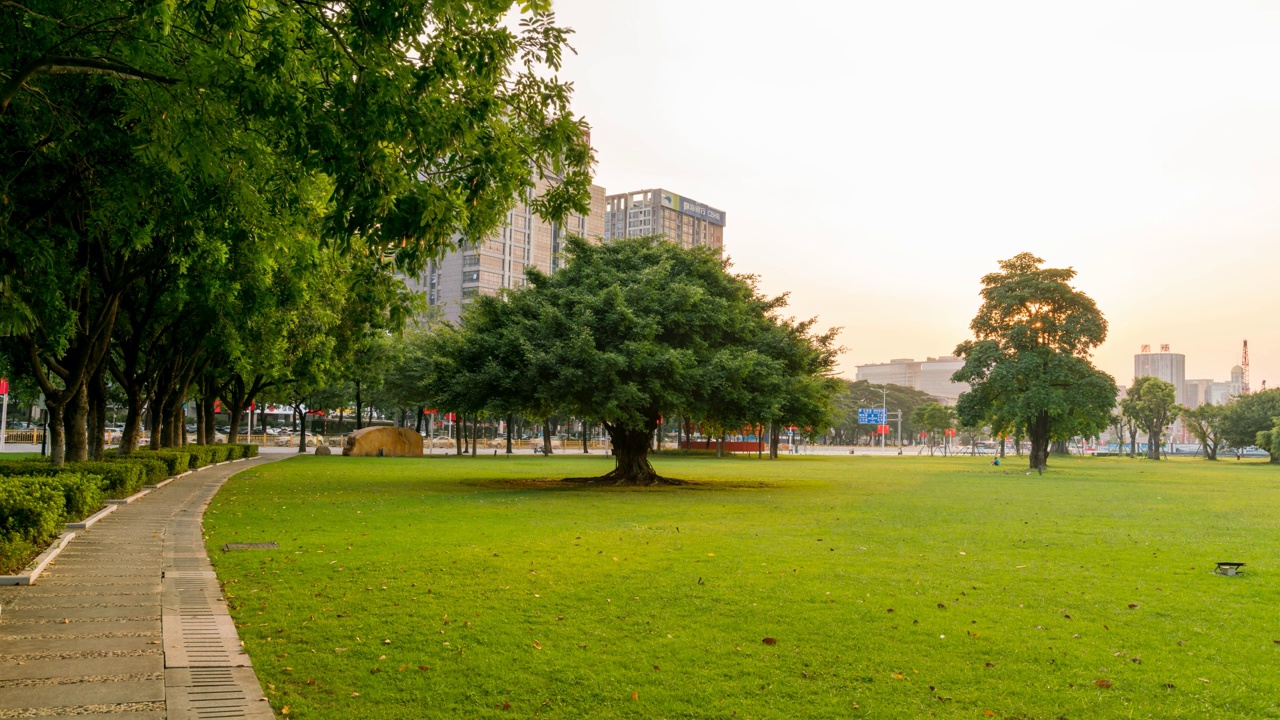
<point x="129" y="622"/>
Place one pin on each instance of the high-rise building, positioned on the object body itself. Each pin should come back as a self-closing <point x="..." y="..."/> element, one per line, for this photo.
<point x="662" y="212"/>
<point x="932" y="376"/>
<point x="499" y="261"/>
<point x="1168" y="366"/>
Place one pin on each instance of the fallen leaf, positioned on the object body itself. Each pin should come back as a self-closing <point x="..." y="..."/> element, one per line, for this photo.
<point x="285" y="710"/>
<point x="991" y="664"/>
<point x="386" y="642"/>
<point x="988" y="713"/>
<point x="403" y="668"/>
<point x="635" y="695"/>
<point x="1170" y="686"/>
<point x="655" y="667"/>
<point x="1203" y="680"/>
<point x="711" y="554"/>
<point x="506" y="705"/>
<point x="1133" y="606"/>
<point x="941" y="606"/>
<point x="1102" y="683"/>
<point x="423" y="668"/>
<point x="355" y="694"/>
<point x="310" y="681"/>
<point x="769" y="641"/>
<point x="537" y="644"/>
<point x="899" y="676"/>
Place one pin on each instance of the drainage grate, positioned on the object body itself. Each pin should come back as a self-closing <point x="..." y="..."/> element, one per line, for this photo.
<point x="250" y="546"/>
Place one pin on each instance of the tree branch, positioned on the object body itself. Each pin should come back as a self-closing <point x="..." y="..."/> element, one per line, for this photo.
<point x="58" y="65"/>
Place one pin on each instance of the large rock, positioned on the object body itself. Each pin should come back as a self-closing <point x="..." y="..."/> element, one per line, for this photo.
<point x="383" y="442"/>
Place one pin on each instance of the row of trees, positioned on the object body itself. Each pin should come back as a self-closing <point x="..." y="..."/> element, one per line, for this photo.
<point x="212" y="200"/>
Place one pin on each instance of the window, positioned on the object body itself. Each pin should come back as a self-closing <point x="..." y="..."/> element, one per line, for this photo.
<point x="470" y="292"/>
<point x="471" y="276"/>
<point x="470" y="260"/>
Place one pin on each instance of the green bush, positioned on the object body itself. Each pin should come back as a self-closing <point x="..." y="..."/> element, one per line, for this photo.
<point x="250" y="451"/>
<point x="32" y="508"/>
<point x="81" y="491"/>
<point x="119" y="479"/>
<point x="222" y="452"/>
<point x="201" y="455"/>
<point x="176" y="461"/>
<point x="154" y="471"/>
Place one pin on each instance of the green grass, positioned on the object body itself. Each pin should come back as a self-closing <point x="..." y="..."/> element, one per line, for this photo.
<point x="895" y="587"/>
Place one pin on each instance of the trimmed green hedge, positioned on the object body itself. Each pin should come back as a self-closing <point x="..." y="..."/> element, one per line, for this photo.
<point x="250" y="450"/>
<point x="175" y="461"/>
<point x="201" y="455"/>
<point x="34" y="509"/>
<point x="119" y="479"/>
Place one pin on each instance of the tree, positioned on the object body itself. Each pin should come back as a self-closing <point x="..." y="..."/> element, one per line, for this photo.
<point x="933" y="418"/>
<point x="1248" y="415"/>
<point x="1152" y="404"/>
<point x="1269" y="440"/>
<point x="635" y="329"/>
<point x="133" y="134"/>
<point x="862" y="394"/>
<point x="1029" y="366"/>
<point x="1206" y="424"/>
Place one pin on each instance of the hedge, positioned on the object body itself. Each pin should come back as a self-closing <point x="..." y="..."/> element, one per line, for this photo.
<point x="176" y="461"/>
<point x="154" y="470"/>
<point x="250" y="450"/>
<point x="34" y="508"/>
<point x="119" y="478"/>
<point x="201" y="455"/>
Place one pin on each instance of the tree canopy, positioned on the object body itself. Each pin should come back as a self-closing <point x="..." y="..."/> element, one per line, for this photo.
<point x="1248" y="415"/>
<point x="1029" y="363"/>
<point x="176" y="179"/>
<point x="1151" y="403"/>
<point x="635" y="329"/>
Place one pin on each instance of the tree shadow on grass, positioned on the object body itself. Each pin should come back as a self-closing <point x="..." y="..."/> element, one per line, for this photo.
<point x="668" y="484"/>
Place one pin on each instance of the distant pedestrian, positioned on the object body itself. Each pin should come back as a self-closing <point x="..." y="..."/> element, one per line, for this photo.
<point x="1238" y="453"/>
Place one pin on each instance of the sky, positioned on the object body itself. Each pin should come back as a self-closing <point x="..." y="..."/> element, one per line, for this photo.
<point x="876" y="159"/>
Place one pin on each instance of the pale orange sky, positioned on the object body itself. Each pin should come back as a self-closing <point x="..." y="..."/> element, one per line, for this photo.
<point x="876" y="159"/>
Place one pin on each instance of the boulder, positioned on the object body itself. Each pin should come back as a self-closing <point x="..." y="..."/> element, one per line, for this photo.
<point x="323" y="450"/>
<point x="383" y="441"/>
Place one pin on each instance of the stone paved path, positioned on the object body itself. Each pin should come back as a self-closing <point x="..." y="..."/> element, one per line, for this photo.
<point x="128" y="622"/>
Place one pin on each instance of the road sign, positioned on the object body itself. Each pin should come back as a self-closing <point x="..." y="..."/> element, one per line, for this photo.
<point x="870" y="416"/>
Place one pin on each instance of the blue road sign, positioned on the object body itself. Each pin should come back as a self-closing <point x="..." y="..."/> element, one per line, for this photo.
<point x="870" y="416"/>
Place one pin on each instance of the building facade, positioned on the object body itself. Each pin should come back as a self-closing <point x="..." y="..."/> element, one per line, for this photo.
<point x="932" y="375"/>
<point x="1168" y="366"/>
<point x="499" y="261"/>
<point x="686" y="222"/>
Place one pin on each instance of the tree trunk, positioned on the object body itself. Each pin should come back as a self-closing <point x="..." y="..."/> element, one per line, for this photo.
<point x="1002" y="446"/>
<point x="74" y="423"/>
<point x="720" y="445"/>
<point x="1153" y="444"/>
<point x="359" y="407"/>
<point x="631" y="453"/>
<point x="57" y="436"/>
<point x="457" y="433"/>
<point x="546" y="437"/>
<point x="510" y="429"/>
<point x="1058" y="447"/>
<point x="97" y="420"/>
<point x="210" y="418"/>
<point x="475" y="434"/>
<point x="585" y="429"/>
<point x="302" y="435"/>
<point x="773" y="441"/>
<point x="1038" y="429"/>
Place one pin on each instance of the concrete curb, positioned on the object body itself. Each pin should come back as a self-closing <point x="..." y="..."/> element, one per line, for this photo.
<point x="88" y="522"/>
<point x="37" y="566"/>
<point x="41" y="562"/>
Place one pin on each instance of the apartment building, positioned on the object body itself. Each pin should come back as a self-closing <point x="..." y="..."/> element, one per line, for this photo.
<point x="932" y="375"/>
<point x="662" y="212"/>
<point x="499" y="261"/>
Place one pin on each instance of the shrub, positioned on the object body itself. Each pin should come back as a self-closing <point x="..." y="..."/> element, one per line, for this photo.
<point x="222" y="453"/>
<point x="119" y="479"/>
<point x="176" y="461"/>
<point x="154" y="471"/>
<point x="250" y="450"/>
<point x="201" y="455"/>
<point x="81" y="492"/>
<point x="31" y="508"/>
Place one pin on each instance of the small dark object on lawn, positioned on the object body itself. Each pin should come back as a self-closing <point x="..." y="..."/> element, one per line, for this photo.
<point x="228" y="547"/>
<point x="1229" y="568"/>
<point x="769" y="641"/>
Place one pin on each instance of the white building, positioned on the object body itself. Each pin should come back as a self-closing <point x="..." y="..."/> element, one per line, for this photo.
<point x="932" y="375"/>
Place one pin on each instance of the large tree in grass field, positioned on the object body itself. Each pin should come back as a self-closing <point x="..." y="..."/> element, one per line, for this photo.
<point x="635" y="329"/>
<point x="1029" y="362"/>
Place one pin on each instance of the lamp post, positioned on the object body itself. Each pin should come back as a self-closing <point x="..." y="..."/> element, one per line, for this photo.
<point x="884" y="414"/>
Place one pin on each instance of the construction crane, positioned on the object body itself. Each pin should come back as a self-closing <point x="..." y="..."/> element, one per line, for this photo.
<point x="1244" y="367"/>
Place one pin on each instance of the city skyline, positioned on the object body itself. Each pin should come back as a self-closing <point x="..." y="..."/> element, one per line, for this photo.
<point x="907" y="149"/>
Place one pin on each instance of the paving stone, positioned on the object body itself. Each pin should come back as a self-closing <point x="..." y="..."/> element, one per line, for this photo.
<point x="35" y="646"/>
<point x="75" y="667"/>
<point x="96" y="693"/>
<point x="132" y="611"/>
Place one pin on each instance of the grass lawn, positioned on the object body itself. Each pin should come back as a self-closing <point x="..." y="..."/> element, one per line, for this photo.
<point x="893" y="587"/>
